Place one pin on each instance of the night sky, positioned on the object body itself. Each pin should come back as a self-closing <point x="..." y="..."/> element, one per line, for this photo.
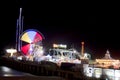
<point x="65" y="23"/>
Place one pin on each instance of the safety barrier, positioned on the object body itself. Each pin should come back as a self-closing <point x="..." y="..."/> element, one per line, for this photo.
<point x="42" y="69"/>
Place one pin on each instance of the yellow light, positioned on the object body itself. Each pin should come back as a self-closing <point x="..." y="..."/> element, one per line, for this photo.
<point x="55" y="45"/>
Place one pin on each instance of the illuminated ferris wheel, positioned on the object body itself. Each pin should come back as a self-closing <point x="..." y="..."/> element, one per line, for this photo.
<point x="30" y="38"/>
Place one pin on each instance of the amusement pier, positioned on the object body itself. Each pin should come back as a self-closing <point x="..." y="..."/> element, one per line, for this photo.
<point x="30" y="60"/>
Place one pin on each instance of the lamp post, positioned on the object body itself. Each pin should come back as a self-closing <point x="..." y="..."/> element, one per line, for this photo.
<point x="11" y="51"/>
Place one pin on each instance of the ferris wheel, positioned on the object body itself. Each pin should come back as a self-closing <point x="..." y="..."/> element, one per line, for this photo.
<point x="30" y="38"/>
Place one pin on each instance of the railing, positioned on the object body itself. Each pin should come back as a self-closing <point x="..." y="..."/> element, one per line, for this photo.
<point x="42" y="69"/>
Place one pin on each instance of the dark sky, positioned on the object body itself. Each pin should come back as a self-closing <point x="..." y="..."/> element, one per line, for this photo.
<point x="67" y="23"/>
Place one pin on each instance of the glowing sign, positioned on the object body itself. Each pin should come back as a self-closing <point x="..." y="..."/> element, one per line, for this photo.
<point x="59" y="46"/>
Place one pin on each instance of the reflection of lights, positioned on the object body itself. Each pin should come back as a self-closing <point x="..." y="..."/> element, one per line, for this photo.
<point x="6" y="75"/>
<point x="11" y="51"/>
<point x="5" y="69"/>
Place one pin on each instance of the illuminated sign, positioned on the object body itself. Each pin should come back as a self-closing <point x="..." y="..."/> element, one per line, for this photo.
<point x="59" y="46"/>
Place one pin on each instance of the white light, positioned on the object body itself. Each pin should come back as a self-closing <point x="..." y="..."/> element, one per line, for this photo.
<point x="19" y="58"/>
<point x="106" y="79"/>
<point x="63" y="46"/>
<point x="11" y="51"/>
<point x="41" y="51"/>
<point x="74" y="51"/>
<point x="97" y="76"/>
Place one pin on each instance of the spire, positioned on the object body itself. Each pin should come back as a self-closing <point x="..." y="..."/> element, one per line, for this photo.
<point x="107" y="55"/>
<point x="108" y="52"/>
